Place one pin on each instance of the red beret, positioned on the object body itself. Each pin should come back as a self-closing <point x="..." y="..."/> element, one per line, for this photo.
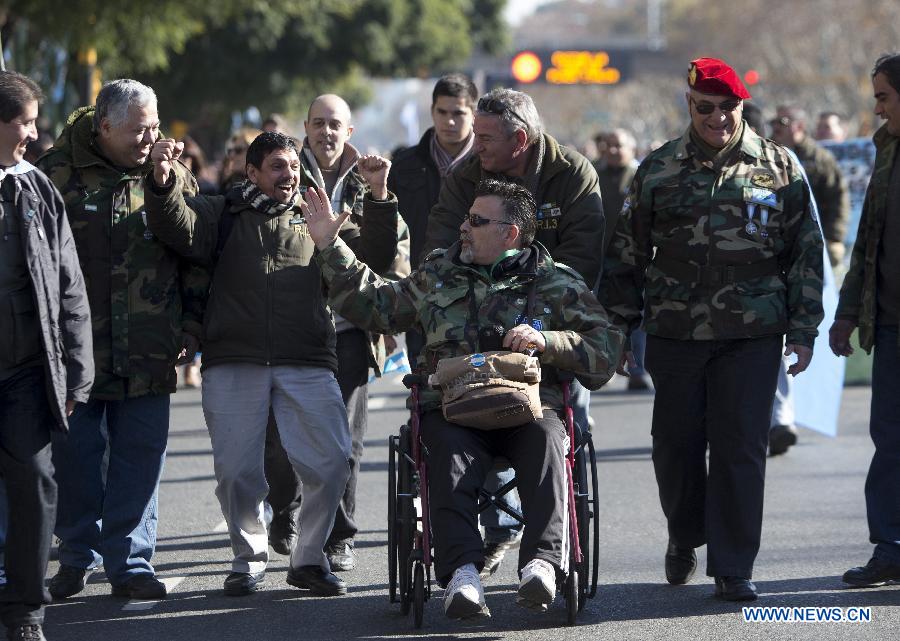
<point x="714" y="77"/>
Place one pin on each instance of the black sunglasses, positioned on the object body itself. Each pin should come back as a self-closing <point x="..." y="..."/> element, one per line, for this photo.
<point x="705" y="108"/>
<point x="494" y="106"/>
<point x="784" y="121"/>
<point x="478" y="221"/>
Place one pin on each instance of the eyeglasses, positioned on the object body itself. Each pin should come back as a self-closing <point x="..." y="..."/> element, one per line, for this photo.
<point x="705" y="108"/>
<point x="784" y="121"/>
<point x="478" y="221"/>
<point x="494" y="106"/>
<point x="235" y="150"/>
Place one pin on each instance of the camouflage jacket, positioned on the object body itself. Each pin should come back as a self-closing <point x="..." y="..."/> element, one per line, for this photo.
<point x="830" y="191"/>
<point x="570" y="209"/>
<point x="352" y="198"/>
<point x="142" y="295"/>
<point x="454" y="305"/>
<point x="716" y="274"/>
<point x="857" y="302"/>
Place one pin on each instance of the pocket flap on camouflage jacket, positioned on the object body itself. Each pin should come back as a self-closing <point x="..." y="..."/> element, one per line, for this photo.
<point x="444" y="296"/>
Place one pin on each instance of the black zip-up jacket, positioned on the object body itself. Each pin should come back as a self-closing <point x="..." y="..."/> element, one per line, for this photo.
<point x="60" y="300"/>
<point x="267" y="303"/>
<point x="417" y="182"/>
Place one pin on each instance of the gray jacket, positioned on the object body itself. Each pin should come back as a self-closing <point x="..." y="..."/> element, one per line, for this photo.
<point x="57" y="284"/>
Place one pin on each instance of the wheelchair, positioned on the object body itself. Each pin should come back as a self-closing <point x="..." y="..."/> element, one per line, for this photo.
<point x="409" y="528"/>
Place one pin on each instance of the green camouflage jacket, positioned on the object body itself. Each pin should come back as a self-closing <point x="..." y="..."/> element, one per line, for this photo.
<point x="830" y="191"/>
<point x="454" y="305"/>
<point x="715" y="273"/>
<point x="857" y="301"/>
<point x="352" y="198"/>
<point x="142" y="295"/>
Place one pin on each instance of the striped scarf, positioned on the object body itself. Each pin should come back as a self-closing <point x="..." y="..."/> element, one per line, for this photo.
<point x="266" y="204"/>
<point x="444" y="161"/>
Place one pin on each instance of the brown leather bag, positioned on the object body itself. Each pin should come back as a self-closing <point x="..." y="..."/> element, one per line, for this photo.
<point x="489" y="391"/>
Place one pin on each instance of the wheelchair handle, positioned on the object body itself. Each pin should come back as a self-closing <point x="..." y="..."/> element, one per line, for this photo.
<point x="420" y="380"/>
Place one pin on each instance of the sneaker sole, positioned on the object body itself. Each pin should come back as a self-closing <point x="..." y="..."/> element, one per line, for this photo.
<point x="536" y="592"/>
<point x="461" y="608"/>
<point x="531" y="605"/>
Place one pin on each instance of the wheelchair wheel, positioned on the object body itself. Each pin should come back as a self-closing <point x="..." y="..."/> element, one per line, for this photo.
<point x="583" y="514"/>
<point x="594" y="506"/>
<point x="392" y="517"/>
<point x="406" y="519"/>
<point x="572" y="593"/>
<point x="418" y="594"/>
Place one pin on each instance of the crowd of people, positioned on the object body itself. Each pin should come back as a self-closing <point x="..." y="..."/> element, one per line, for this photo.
<point x="693" y="271"/>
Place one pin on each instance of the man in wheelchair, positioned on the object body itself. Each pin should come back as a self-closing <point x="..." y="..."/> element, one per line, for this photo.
<point x="494" y="289"/>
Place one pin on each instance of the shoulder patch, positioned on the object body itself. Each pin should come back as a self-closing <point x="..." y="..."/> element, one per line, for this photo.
<point x="763" y="179"/>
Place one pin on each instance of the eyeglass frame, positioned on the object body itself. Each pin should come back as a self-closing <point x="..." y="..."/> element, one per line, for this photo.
<point x="236" y="150"/>
<point x="720" y="106"/>
<point x="492" y="105"/>
<point x="475" y="220"/>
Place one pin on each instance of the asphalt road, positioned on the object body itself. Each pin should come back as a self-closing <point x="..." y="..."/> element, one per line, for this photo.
<point x="814" y="529"/>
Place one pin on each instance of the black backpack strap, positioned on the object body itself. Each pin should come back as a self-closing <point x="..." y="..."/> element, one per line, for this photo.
<point x="529" y="306"/>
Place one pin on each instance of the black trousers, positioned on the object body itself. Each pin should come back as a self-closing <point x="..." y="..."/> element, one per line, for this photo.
<point x="285" y="492"/>
<point x="25" y="463"/>
<point x="717" y="394"/>
<point x="459" y="459"/>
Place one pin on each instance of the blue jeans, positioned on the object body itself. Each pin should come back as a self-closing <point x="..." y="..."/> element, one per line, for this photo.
<point x="883" y="481"/>
<point x="638" y="347"/>
<point x="112" y="520"/>
<point x="498" y="525"/>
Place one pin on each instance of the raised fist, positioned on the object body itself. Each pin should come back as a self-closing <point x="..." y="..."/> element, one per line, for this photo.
<point x="374" y="170"/>
<point x="163" y="156"/>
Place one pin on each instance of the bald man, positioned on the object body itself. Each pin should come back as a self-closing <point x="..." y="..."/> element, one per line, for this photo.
<point x="329" y="161"/>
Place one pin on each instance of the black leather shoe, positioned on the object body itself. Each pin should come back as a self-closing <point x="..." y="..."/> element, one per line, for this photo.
<point x="243" y="583"/>
<point x="876" y="572"/>
<point x="341" y="556"/>
<point x="283" y="532"/>
<point x="781" y="437"/>
<point x="316" y="580"/>
<point x="143" y="586"/>
<point x="68" y="581"/>
<point x="30" y="632"/>
<point x="735" y="588"/>
<point x="680" y="564"/>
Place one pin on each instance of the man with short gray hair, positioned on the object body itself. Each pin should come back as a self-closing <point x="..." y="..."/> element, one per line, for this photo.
<point x="510" y="144"/>
<point x="146" y="308"/>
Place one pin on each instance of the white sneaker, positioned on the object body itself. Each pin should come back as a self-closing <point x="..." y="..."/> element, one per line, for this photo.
<point x="537" y="589"/>
<point x="464" y="596"/>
